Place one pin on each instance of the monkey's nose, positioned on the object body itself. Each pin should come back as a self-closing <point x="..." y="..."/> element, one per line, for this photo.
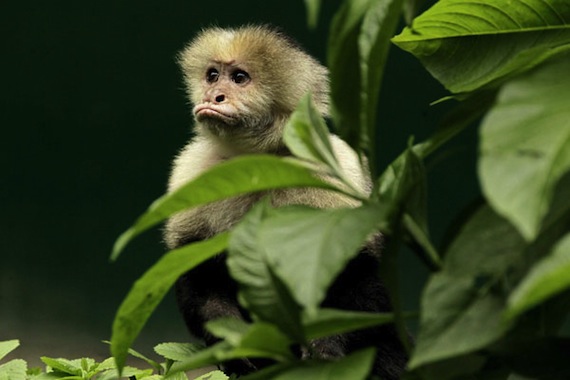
<point x="220" y="98"/>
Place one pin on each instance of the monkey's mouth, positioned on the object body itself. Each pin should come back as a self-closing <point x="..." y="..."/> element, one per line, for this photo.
<point x="210" y="111"/>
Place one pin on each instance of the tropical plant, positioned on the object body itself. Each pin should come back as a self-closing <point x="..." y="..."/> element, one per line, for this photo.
<point x="498" y="293"/>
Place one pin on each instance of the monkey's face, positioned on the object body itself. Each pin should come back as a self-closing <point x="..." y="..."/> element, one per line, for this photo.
<point x="227" y="99"/>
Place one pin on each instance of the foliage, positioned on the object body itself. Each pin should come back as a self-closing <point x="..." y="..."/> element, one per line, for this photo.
<point x="90" y="369"/>
<point x="498" y="292"/>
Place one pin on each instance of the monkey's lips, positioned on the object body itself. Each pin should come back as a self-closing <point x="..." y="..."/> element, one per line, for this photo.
<point x="223" y="113"/>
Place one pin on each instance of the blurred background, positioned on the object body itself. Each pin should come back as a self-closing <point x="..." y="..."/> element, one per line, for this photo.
<point x="92" y="111"/>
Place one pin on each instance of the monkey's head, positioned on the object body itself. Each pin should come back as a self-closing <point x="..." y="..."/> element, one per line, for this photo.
<point x="244" y="84"/>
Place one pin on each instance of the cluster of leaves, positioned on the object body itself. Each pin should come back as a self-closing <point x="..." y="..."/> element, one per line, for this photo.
<point x="90" y="369"/>
<point x="498" y="293"/>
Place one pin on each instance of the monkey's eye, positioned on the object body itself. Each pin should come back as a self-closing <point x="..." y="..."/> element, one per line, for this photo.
<point x="240" y="77"/>
<point x="212" y="75"/>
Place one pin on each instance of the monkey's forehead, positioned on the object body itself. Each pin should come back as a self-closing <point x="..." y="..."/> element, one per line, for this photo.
<point x="245" y="45"/>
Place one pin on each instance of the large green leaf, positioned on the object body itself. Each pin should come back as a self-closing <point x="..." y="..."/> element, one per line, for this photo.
<point x="235" y="177"/>
<point x="356" y="366"/>
<point x="261" y="291"/>
<point x="525" y="145"/>
<point x="150" y="289"/>
<point x="313" y="8"/>
<point x="319" y="245"/>
<point x="470" y="44"/>
<point x="547" y="278"/>
<point x="456" y="319"/>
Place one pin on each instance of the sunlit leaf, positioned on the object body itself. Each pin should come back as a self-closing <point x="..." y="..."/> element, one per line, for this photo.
<point x="547" y="278"/>
<point x="8" y="346"/>
<point x="150" y="289"/>
<point x="177" y="351"/>
<point x="470" y="44"/>
<point x="525" y="145"/>
<point x="14" y="370"/>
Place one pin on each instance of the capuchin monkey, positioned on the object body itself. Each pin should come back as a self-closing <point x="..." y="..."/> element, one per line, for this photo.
<point x="244" y="84"/>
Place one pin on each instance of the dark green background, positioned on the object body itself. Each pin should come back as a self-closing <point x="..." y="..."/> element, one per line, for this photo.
<point x="92" y="111"/>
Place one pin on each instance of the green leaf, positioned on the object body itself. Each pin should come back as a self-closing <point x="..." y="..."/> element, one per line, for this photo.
<point x="149" y="290"/>
<point x="525" y="145"/>
<point x="486" y="245"/>
<point x="356" y="366"/>
<point x="344" y="66"/>
<point x="14" y="370"/>
<point x="208" y="356"/>
<point x="467" y="45"/>
<point x="378" y="27"/>
<point x="326" y="322"/>
<point x="547" y="278"/>
<point x="177" y="351"/>
<point x="358" y="47"/>
<point x="8" y="346"/>
<point x="214" y="375"/>
<point x="260" y="290"/>
<point x="456" y="319"/>
<point x="319" y="245"/>
<point x="313" y="8"/>
<point x="70" y="367"/>
<point x="411" y="9"/>
<point x="307" y="136"/>
<point x="238" y="176"/>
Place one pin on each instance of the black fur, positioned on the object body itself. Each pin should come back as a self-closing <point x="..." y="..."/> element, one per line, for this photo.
<point x="208" y="292"/>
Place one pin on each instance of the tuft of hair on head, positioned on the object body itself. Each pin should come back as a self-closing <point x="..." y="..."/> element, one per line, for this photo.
<point x="281" y="69"/>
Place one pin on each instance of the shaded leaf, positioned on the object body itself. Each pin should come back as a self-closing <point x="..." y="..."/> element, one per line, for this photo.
<point x="525" y="145"/>
<point x="150" y="289"/>
<point x="234" y="177"/>
<point x="313" y="8"/>
<point x="378" y="27"/>
<point x="547" y="278"/>
<point x="486" y="41"/>
<point x="456" y="319"/>
<point x="344" y="66"/>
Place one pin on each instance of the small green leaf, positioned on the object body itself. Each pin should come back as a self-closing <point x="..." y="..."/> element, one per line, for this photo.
<point x="151" y="288"/>
<point x="177" y="351"/>
<point x="467" y="45"/>
<point x="525" y="145"/>
<point x="547" y="278"/>
<point x="8" y="346"/>
<point x="208" y="356"/>
<point x="238" y="176"/>
<point x="326" y="322"/>
<point x="229" y="329"/>
<point x="14" y="370"/>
